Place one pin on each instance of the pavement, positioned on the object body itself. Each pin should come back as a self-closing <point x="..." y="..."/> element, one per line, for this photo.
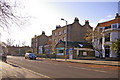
<point x="98" y="62"/>
<point x="10" y="71"/>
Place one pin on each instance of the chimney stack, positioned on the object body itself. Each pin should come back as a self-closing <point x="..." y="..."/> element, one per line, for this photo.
<point x="117" y="15"/>
<point x="86" y="21"/>
<point x="43" y="32"/>
<point x="58" y="26"/>
<point x="76" y="19"/>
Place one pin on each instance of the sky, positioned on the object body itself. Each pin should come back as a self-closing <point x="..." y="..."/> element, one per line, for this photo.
<point x="44" y="15"/>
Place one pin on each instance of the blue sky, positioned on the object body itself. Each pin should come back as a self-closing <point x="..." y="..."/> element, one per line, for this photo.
<point x="93" y="11"/>
<point x="46" y="15"/>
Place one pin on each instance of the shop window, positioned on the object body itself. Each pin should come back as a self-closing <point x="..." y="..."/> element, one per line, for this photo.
<point x="60" y="51"/>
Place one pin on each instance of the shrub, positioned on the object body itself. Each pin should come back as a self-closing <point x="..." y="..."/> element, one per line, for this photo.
<point x="29" y="51"/>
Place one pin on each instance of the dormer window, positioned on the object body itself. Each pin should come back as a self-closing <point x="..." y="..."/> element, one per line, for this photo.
<point x="114" y="26"/>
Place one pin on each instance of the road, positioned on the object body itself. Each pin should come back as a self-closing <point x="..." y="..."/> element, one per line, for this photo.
<point x="54" y="69"/>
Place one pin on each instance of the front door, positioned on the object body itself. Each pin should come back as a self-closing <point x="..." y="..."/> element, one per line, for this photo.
<point x="70" y="53"/>
<point x="107" y="51"/>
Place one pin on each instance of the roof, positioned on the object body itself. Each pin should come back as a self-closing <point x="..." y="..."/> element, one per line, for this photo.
<point x="108" y="23"/>
<point x="48" y="42"/>
<point x="75" y="44"/>
<point x="50" y="36"/>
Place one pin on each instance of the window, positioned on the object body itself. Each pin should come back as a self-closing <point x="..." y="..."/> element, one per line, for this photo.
<point x="55" y="41"/>
<point x="107" y="27"/>
<point x="59" y="39"/>
<point x="59" y="32"/>
<point x="64" y="31"/>
<point x="114" y="26"/>
<point x="119" y="26"/>
<point x="55" y="34"/>
<point x="60" y="51"/>
<point x="119" y="35"/>
<point x="101" y="40"/>
<point x="50" y="39"/>
<point x="100" y="29"/>
<point x="107" y="37"/>
<point x="64" y="39"/>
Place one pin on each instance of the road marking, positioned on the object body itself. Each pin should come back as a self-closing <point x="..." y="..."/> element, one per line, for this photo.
<point x="88" y="69"/>
<point x="32" y="71"/>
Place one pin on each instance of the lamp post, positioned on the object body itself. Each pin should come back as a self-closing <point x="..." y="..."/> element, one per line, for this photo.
<point x="66" y="38"/>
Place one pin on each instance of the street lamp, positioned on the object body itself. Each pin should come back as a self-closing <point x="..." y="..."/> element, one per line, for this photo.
<point x="66" y="38"/>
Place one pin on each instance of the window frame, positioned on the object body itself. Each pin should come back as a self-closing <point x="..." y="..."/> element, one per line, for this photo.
<point x="59" y="33"/>
<point x="64" y="31"/>
<point x="114" y="26"/>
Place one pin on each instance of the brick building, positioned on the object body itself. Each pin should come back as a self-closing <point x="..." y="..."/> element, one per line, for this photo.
<point x="48" y="45"/>
<point x="39" y="41"/>
<point x="76" y="32"/>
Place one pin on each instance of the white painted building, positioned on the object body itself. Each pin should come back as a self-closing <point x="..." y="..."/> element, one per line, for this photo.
<point x="109" y="31"/>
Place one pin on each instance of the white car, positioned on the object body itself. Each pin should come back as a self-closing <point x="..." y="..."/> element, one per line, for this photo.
<point x="30" y="56"/>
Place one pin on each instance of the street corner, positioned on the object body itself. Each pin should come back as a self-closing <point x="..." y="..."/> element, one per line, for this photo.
<point x="10" y="70"/>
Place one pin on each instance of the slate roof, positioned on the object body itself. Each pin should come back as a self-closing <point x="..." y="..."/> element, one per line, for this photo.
<point x="76" y="44"/>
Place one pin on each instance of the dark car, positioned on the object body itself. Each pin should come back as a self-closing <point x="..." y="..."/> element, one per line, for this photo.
<point x="30" y="56"/>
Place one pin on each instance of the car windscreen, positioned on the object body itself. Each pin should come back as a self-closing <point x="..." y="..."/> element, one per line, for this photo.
<point x="31" y="54"/>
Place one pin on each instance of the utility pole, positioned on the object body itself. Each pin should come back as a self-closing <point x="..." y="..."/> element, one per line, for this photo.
<point x="66" y="39"/>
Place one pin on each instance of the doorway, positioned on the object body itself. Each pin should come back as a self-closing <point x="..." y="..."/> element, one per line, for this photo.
<point x="107" y="51"/>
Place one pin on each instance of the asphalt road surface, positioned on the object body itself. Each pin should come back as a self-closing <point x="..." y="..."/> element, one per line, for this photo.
<point x="55" y="69"/>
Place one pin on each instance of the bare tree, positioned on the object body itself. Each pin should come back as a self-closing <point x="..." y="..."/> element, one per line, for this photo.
<point x="10" y="42"/>
<point x="91" y="36"/>
<point x="8" y="14"/>
<point x="23" y="43"/>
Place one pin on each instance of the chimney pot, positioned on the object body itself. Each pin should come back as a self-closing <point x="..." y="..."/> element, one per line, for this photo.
<point x="86" y="21"/>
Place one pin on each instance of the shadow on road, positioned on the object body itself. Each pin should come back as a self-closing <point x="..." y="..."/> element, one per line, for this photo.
<point x="13" y="65"/>
<point x="38" y="60"/>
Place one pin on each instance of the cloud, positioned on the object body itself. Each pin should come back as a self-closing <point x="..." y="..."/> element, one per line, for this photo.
<point x="109" y="16"/>
<point x="102" y="20"/>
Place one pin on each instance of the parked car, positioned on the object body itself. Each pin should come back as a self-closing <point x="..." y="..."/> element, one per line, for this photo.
<point x="30" y="56"/>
